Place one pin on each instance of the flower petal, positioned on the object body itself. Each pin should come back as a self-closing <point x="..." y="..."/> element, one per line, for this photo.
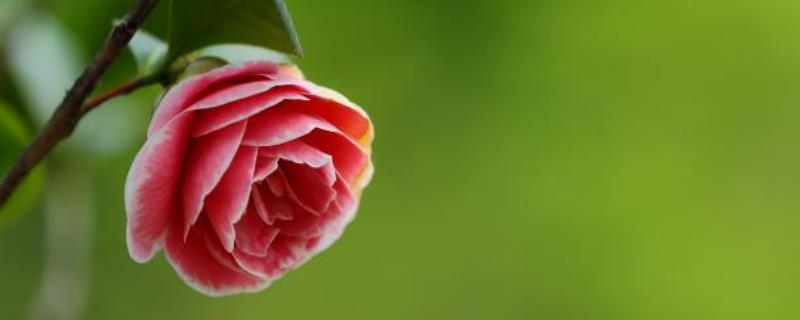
<point x="253" y="236"/>
<point x="308" y="187"/>
<point x="297" y="152"/>
<point x="226" y="204"/>
<point x="280" y="125"/>
<point x="185" y="92"/>
<point x="281" y="257"/>
<point x="264" y="167"/>
<point x="224" y="115"/>
<point x="347" y="205"/>
<point x="348" y="157"/>
<point x="204" y="265"/>
<point x="304" y="224"/>
<point x="151" y="187"/>
<point x="209" y="158"/>
<point x="344" y="196"/>
<point x="334" y="108"/>
<point x="270" y="205"/>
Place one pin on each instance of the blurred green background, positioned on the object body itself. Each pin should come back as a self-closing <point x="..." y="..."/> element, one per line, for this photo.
<point x="617" y="159"/>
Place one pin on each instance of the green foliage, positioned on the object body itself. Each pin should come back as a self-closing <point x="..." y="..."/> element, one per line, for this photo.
<point x="43" y="59"/>
<point x="148" y="51"/>
<point x="195" y="24"/>
<point x="8" y="10"/>
<point x="13" y="136"/>
<point x="236" y="53"/>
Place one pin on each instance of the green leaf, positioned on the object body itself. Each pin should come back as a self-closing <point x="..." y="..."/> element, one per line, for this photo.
<point x="195" y="24"/>
<point x="13" y="137"/>
<point x="149" y="51"/>
<point x="236" y="53"/>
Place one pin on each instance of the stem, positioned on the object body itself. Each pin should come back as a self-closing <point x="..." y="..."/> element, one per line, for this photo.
<point x="70" y="110"/>
<point x="125" y="88"/>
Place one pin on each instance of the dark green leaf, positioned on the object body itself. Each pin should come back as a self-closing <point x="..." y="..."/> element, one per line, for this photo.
<point x="195" y="24"/>
<point x="13" y="137"/>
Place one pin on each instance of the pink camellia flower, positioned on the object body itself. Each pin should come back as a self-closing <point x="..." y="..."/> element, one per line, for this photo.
<point x="248" y="171"/>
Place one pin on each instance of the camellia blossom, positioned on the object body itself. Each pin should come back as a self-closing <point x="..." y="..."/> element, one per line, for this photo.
<point x="248" y="171"/>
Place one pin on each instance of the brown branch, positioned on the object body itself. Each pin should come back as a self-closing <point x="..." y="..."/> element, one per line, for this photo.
<point x="70" y="110"/>
<point x="125" y="88"/>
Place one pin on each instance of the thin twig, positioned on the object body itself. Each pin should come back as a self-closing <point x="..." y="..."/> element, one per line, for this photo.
<point x="125" y="88"/>
<point x="70" y="110"/>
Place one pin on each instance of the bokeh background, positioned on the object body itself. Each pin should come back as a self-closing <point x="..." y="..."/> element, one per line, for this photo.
<point x="594" y="159"/>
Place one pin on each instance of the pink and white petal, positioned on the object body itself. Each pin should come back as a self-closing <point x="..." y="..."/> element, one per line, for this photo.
<point x="297" y="152"/>
<point x="323" y="92"/>
<point x="304" y="248"/>
<point x="264" y="167"/>
<point x="363" y="179"/>
<point x="280" y="125"/>
<point x="241" y="89"/>
<point x="335" y="228"/>
<point x="344" y="196"/>
<point x="280" y="259"/>
<point x="347" y="120"/>
<point x="277" y="184"/>
<point x="253" y="236"/>
<point x="303" y="224"/>
<point x="308" y="187"/>
<point x="198" y="263"/>
<point x="290" y="70"/>
<point x="226" y="204"/>
<point x="328" y="172"/>
<point x="335" y="96"/>
<point x="336" y="218"/>
<point x="188" y="90"/>
<point x="348" y="158"/>
<point x="269" y="206"/>
<point x="151" y="188"/>
<point x="209" y="158"/>
<point x="333" y="107"/>
<point x="216" y="118"/>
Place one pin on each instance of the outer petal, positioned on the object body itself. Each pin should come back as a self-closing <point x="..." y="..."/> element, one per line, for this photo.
<point x="207" y="162"/>
<point x="151" y="195"/>
<point x="348" y="204"/>
<point x="228" y="201"/>
<point x="344" y="196"/>
<point x="203" y="264"/>
<point x="237" y="91"/>
<point x="334" y="108"/>
<point x="350" y="160"/>
<point x="190" y="89"/>
<point x="216" y="118"/>
<point x="290" y="70"/>
<point x="280" y="125"/>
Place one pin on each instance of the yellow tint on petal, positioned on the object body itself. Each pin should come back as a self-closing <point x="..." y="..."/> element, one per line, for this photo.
<point x="290" y="70"/>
